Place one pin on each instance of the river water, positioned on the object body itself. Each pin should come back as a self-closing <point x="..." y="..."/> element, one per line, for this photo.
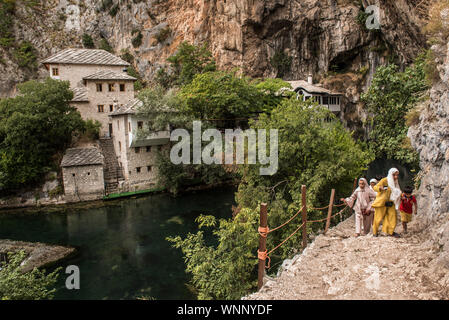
<point x="123" y="253"/>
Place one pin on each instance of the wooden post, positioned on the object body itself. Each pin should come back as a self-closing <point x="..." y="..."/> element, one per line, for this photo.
<point x="329" y="212"/>
<point x="262" y="243"/>
<point x="304" y="217"/>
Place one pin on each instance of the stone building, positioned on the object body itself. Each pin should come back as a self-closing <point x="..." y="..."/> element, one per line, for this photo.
<point x="136" y="154"/>
<point x="98" y="79"/>
<point x="104" y="91"/>
<point x="82" y="172"/>
<point x="324" y="97"/>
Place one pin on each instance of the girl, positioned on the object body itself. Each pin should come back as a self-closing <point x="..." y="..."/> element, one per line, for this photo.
<point x="363" y="197"/>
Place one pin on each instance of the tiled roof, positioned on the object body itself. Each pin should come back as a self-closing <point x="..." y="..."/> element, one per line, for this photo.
<point x="86" y="56"/>
<point x="109" y="75"/>
<point x="82" y="157"/>
<point x="310" y="87"/>
<point x="129" y="108"/>
<point x="80" y="94"/>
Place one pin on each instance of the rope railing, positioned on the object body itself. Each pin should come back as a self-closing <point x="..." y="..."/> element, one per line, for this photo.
<point x="263" y="254"/>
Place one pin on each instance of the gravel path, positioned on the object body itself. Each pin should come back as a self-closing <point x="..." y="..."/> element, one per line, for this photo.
<point x="340" y="266"/>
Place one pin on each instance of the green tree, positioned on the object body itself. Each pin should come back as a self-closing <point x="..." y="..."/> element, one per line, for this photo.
<point x="189" y="61"/>
<point x="220" y="95"/>
<point x="274" y="93"/>
<point x="314" y="152"/>
<point x="18" y="285"/>
<point x="391" y="96"/>
<point x="34" y="127"/>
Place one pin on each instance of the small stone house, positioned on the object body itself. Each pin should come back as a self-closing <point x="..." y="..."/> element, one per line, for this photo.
<point x="327" y="98"/>
<point x="83" y="175"/>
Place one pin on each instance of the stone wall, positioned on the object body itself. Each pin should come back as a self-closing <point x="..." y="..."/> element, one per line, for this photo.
<point x="83" y="183"/>
<point x="76" y="72"/>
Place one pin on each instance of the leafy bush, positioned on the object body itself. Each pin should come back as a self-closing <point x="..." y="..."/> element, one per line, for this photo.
<point x="104" y="44"/>
<point x="33" y="285"/>
<point x="7" y="9"/>
<point x="92" y="129"/>
<point x="163" y="34"/>
<point x="137" y="40"/>
<point x="88" y="42"/>
<point x="391" y="95"/>
<point x="25" y="55"/>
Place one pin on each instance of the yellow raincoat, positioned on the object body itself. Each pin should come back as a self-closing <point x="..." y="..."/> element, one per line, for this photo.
<point x="381" y="212"/>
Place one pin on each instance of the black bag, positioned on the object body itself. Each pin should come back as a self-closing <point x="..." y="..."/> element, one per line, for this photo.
<point x="389" y="204"/>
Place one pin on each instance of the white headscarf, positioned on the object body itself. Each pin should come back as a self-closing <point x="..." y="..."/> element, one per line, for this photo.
<point x="395" y="188"/>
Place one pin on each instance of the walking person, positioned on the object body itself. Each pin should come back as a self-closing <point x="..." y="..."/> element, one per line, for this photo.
<point x="387" y="203"/>
<point x="408" y="207"/>
<point x="363" y="197"/>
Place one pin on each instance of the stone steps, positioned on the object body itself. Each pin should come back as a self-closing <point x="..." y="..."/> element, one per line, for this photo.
<point x="112" y="171"/>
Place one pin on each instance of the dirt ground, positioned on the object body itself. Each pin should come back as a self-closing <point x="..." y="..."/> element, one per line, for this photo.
<point x="341" y="266"/>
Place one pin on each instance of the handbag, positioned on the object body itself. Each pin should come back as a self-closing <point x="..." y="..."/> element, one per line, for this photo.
<point x="389" y="204"/>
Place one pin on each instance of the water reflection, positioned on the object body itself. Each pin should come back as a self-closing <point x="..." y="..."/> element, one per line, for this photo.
<point x="122" y="248"/>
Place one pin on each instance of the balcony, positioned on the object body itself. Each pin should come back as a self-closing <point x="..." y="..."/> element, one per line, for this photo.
<point x="153" y="139"/>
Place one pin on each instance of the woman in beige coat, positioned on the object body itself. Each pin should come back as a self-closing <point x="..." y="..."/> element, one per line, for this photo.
<point x="363" y="197"/>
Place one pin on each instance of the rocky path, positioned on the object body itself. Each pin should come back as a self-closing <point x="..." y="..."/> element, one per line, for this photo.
<point x="340" y="266"/>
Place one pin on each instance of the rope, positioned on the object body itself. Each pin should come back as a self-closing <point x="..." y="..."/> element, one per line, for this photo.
<point x="264" y="231"/>
<point x="290" y="220"/>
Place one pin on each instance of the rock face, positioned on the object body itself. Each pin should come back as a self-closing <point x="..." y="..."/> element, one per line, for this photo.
<point x="318" y="35"/>
<point x="430" y="136"/>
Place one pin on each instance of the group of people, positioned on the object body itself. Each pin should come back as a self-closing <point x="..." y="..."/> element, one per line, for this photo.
<point x="379" y="202"/>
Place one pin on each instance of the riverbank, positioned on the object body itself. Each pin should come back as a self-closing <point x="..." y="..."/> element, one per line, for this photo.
<point x="19" y="203"/>
<point x="39" y="255"/>
<point x="339" y="266"/>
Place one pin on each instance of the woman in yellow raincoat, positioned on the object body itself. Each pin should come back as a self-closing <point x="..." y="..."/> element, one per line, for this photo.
<point x="387" y="203"/>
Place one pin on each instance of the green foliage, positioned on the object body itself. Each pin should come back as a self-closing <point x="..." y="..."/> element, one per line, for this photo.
<point x="7" y="9"/>
<point x="313" y="152"/>
<point x="25" y="55"/>
<point x="189" y="61"/>
<point x="139" y="84"/>
<point x="220" y="95"/>
<point x="137" y="40"/>
<point x="33" y="285"/>
<point x="34" y="126"/>
<point x="282" y="62"/>
<point x="92" y="129"/>
<point x="163" y="34"/>
<point x="391" y="96"/>
<point x="127" y="56"/>
<point x="88" y="42"/>
<point x="228" y="270"/>
<point x="104" y="44"/>
<point x="273" y="93"/>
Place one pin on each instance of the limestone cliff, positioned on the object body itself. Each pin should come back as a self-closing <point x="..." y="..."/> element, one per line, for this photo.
<point x="325" y="37"/>
<point x="430" y="136"/>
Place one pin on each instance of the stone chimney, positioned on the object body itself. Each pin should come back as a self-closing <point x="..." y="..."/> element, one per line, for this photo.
<point x="310" y="79"/>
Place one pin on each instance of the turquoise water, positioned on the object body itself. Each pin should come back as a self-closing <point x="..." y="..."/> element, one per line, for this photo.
<point x="123" y="253"/>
